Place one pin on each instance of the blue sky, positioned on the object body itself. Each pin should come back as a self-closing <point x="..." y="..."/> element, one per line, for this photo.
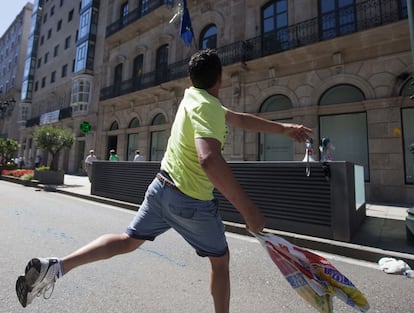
<point x="8" y="12"/>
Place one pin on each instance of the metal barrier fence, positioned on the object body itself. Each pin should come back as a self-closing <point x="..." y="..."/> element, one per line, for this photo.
<point x="323" y="204"/>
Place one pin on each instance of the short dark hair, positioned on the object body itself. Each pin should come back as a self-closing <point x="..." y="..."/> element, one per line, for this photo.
<point x="204" y="68"/>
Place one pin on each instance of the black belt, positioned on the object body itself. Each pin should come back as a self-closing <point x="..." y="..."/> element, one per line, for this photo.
<point x="167" y="182"/>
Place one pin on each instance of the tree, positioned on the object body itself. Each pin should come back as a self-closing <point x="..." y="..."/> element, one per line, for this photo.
<point x="53" y="140"/>
<point x="8" y="148"/>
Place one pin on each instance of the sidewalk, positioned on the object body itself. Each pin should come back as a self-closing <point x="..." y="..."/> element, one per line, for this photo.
<point x="382" y="233"/>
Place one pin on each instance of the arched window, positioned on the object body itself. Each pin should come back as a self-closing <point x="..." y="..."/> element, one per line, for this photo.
<point x="208" y="37"/>
<point x="114" y="126"/>
<point x="275" y="147"/>
<point x="276" y="103"/>
<point x="158" y="138"/>
<point x="407" y="89"/>
<point x="342" y="94"/>
<point x="159" y="119"/>
<point x="347" y="132"/>
<point x="134" y="123"/>
<point x="275" y="27"/>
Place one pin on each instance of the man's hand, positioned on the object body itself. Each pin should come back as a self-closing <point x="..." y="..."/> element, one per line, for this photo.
<point x="256" y="221"/>
<point x="297" y="132"/>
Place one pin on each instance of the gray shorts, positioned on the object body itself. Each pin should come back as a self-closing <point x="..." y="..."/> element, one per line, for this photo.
<point x="198" y="222"/>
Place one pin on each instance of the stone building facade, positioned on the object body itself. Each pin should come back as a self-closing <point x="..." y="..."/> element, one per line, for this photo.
<point x="341" y="68"/>
<point x="13" y="46"/>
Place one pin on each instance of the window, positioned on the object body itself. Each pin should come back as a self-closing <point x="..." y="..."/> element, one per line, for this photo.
<point x="144" y="6"/>
<point x="36" y="85"/>
<point x="42" y="40"/>
<point x="124" y="14"/>
<point x="56" y="51"/>
<point x="67" y="42"/>
<point x="64" y="70"/>
<point x="118" y="79"/>
<point x="162" y="64"/>
<point x="24" y="112"/>
<point x="337" y="17"/>
<point x="39" y="62"/>
<point x="349" y="134"/>
<point x="137" y="70"/>
<point x="70" y="16"/>
<point x="408" y="141"/>
<point x="134" y="123"/>
<point x="342" y="94"/>
<point x="43" y="82"/>
<point x="49" y="33"/>
<point x="84" y="24"/>
<point x="275" y="147"/>
<point x="132" y="146"/>
<point x="403" y="8"/>
<point x="59" y="25"/>
<point x="53" y="77"/>
<point x="158" y="139"/>
<point x="81" y="89"/>
<point x="407" y="89"/>
<point x="208" y="37"/>
<point x="114" y="126"/>
<point x="44" y="18"/>
<point x="46" y="57"/>
<point x="81" y="54"/>
<point x="275" y="27"/>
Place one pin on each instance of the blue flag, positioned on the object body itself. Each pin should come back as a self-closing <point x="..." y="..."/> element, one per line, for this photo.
<point x="186" y="31"/>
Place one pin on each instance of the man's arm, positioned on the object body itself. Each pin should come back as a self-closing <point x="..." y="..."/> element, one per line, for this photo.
<point x="219" y="173"/>
<point x="258" y="124"/>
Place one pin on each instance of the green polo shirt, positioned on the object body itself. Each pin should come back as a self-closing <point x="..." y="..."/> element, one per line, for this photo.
<point x="200" y="115"/>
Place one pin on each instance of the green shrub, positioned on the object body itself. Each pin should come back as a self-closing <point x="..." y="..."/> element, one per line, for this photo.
<point x="27" y="177"/>
<point x="43" y="168"/>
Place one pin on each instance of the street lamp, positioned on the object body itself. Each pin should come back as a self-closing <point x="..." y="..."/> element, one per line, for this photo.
<point x="4" y="106"/>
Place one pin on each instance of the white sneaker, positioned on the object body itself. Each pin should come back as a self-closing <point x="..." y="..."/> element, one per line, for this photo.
<point x="40" y="277"/>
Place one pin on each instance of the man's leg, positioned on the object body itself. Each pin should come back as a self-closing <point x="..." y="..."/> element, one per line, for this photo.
<point x="102" y="248"/>
<point x="41" y="274"/>
<point x="220" y="283"/>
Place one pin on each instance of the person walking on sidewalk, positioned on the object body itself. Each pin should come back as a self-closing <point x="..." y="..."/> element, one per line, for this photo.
<point x="181" y="194"/>
<point x="88" y="163"/>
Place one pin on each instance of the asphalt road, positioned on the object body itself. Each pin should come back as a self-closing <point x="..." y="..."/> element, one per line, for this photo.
<point x="162" y="276"/>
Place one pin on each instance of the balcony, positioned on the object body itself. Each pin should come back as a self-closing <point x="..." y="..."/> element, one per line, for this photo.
<point x="63" y="114"/>
<point x="362" y="16"/>
<point x="137" y="14"/>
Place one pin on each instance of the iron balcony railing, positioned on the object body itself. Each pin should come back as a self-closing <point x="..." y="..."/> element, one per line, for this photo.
<point x="351" y="19"/>
<point x="136" y="14"/>
<point x="63" y="113"/>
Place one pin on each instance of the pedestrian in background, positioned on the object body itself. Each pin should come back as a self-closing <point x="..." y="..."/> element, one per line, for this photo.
<point x="113" y="156"/>
<point x="181" y="195"/>
<point x="138" y="157"/>
<point x="37" y="161"/>
<point x="88" y="163"/>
